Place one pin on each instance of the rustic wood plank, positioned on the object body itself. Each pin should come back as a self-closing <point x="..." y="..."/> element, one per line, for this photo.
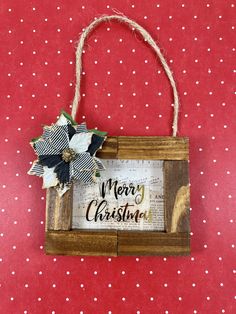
<point x="81" y="242"/>
<point x="153" y="147"/>
<point x="176" y="191"/>
<point x="109" y="148"/>
<point x="153" y="243"/>
<point x="59" y="210"/>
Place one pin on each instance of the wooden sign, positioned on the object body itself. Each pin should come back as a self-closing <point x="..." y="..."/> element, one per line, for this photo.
<point x="161" y="228"/>
<point x="140" y="205"/>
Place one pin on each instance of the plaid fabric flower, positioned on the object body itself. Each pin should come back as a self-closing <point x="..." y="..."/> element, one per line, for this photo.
<point x="66" y="152"/>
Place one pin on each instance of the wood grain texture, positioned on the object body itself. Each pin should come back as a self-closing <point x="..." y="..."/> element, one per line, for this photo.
<point x="109" y="149"/>
<point x="59" y="210"/>
<point x="176" y="191"/>
<point x="153" y="243"/>
<point x="180" y="210"/>
<point x="145" y="147"/>
<point x="153" y="147"/>
<point x="81" y="242"/>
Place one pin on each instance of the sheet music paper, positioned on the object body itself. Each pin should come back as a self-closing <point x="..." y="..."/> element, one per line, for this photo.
<point x="145" y="197"/>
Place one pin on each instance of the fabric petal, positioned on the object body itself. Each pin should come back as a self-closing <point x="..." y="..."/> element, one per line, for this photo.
<point x="62" y="120"/>
<point x="49" y="178"/>
<point x="46" y="132"/>
<point x="36" y="169"/>
<point x="81" y="128"/>
<point x="62" y="171"/>
<point x="96" y="143"/>
<point x="83" y="163"/>
<point x="87" y="177"/>
<point x="50" y="160"/>
<point x="59" y="137"/>
<point x="44" y="147"/>
<point x="80" y="142"/>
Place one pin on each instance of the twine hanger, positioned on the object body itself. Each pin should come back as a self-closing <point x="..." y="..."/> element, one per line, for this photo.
<point x="147" y="37"/>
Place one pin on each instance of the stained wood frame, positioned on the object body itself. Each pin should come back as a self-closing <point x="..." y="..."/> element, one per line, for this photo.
<point x="61" y="240"/>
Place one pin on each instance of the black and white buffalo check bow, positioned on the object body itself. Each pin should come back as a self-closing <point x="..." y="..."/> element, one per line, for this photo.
<point x="66" y="153"/>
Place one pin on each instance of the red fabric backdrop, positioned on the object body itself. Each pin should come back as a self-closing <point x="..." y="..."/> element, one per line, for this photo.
<point x="126" y="93"/>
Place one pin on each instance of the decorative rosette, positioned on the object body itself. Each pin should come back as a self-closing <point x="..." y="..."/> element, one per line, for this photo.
<point x="66" y="153"/>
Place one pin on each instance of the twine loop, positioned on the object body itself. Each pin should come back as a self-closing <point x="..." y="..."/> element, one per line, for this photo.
<point x="147" y="37"/>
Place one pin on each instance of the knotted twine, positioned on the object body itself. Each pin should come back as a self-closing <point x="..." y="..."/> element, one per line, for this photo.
<point x="147" y="38"/>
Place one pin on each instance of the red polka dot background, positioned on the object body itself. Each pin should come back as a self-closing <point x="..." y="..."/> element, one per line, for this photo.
<point x="125" y="92"/>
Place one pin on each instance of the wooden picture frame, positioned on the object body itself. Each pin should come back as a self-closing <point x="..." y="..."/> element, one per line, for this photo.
<point x="174" y="151"/>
